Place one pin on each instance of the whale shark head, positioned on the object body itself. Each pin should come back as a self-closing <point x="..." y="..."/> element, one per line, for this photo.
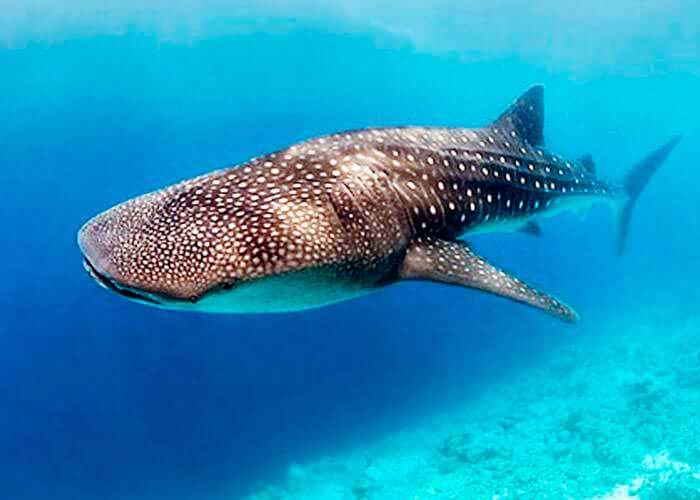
<point x="168" y="248"/>
<point x="222" y="242"/>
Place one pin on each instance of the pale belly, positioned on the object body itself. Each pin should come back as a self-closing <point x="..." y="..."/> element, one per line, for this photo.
<point x="295" y="291"/>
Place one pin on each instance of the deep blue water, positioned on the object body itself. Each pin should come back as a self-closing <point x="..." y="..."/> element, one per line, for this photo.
<point x="103" y="398"/>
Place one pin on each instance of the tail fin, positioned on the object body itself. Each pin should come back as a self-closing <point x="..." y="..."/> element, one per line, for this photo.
<point x="634" y="183"/>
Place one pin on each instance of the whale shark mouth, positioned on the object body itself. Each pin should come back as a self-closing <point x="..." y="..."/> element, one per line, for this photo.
<point x="114" y="286"/>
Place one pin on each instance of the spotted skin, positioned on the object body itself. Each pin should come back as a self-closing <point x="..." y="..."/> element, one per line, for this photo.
<point x="344" y="211"/>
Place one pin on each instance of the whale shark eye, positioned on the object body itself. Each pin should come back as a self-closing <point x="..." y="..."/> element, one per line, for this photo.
<point x="193" y="299"/>
<point x="227" y="286"/>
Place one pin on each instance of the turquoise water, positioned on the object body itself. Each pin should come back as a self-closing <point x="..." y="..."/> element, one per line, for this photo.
<point x="418" y="391"/>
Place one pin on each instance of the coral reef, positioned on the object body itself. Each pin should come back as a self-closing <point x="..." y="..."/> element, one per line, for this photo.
<point x="607" y="417"/>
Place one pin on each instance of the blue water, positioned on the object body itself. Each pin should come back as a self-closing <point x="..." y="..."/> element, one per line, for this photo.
<point x="101" y="398"/>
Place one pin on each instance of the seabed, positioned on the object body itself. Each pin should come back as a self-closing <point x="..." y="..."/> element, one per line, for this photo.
<point x="615" y="415"/>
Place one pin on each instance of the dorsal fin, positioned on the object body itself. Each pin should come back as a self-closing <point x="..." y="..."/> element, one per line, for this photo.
<point x="525" y="117"/>
<point x="586" y="162"/>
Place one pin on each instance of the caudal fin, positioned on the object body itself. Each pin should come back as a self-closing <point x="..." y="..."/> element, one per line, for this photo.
<point x="634" y="183"/>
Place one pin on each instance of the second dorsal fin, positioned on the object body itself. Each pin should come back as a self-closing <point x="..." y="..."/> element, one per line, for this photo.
<point x="587" y="163"/>
<point x="525" y="117"/>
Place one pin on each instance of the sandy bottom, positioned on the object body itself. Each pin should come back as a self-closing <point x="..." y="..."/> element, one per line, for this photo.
<point x="610" y="416"/>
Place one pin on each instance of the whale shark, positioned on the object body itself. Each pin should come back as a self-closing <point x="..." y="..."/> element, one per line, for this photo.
<point x="346" y="214"/>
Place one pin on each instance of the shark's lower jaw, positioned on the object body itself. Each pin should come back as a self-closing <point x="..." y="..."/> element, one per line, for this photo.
<point x="290" y="292"/>
<point x="112" y="285"/>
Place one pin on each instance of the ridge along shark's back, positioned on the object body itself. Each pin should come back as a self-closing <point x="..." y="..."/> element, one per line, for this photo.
<point x="345" y="214"/>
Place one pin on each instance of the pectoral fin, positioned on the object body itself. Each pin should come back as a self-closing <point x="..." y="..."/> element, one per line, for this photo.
<point x="454" y="263"/>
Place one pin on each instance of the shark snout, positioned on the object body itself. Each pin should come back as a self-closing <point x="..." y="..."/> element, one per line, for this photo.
<point x="95" y="252"/>
<point x="98" y="262"/>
